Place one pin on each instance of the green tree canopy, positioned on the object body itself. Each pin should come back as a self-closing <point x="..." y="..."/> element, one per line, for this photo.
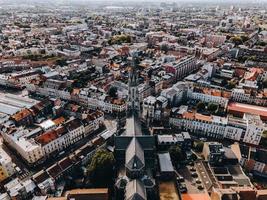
<point x="264" y="83"/>
<point x="119" y="39"/>
<point x="61" y="62"/>
<point x="212" y="107"/>
<point x="113" y="92"/>
<point x="264" y="134"/>
<point x="244" y="38"/>
<point x="201" y="105"/>
<point x="231" y="84"/>
<point x="199" y="146"/>
<point x="176" y="154"/>
<point x="236" y="40"/>
<point x="101" y="168"/>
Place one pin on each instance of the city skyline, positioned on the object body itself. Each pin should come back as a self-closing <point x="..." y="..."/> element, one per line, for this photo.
<point x="133" y="100"/>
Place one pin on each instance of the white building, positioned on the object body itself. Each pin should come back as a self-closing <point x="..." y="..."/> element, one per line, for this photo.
<point x="18" y="189"/>
<point x="27" y="148"/>
<point x="6" y="163"/>
<point x="239" y="95"/>
<point x="177" y="93"/>
<point x="223" y="102"/>
<point x="38" y="148"/>
<point x="98" y="102"/>
<point x="185" y="66"/>
<point x="249" y="129"/>
<point x="149" y="105"/>
<point x="254" y="130"/>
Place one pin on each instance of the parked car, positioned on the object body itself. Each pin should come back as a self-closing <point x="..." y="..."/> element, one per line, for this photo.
<point x="200" y="187"/>
<point x="194" y="175"/>
<point x="179" y="179"/>
<point x="182" y="188"/>
<point x="18" y="170"/>
<point x="192" y="169"/>
<point x="198" y="181"/>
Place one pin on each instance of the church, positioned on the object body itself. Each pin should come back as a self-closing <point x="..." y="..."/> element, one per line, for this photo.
<point x="135" y="149"/>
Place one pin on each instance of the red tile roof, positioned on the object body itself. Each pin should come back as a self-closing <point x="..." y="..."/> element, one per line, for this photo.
<point x="246" y="108"/>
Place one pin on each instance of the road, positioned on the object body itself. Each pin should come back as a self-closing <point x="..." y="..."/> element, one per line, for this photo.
<point x="110" y="124"/>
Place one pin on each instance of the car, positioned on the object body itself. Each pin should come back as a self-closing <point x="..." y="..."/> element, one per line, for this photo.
<point x="192" y="169"/>
<point x="194" y="175"/>
<point x="182" y="188"/>
<point x="200" y="187"/>
<point x="18" y="170"/>
<point x="180" y="179"/>
<point x="198" y="181"/>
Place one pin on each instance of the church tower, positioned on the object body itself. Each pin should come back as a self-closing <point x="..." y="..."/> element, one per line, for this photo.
<point x="133" y="95"/>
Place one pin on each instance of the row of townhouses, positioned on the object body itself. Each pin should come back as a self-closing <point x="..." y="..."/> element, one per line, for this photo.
<point x="37" y="145"/>
<point x="248" y="129"/>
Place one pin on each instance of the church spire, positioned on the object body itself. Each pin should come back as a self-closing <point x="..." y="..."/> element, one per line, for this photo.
<point x="133" y="77"/>
<point x="133" y="94"/>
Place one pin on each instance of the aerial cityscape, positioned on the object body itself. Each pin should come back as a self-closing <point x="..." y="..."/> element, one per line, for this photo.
<point x="133" y="100"/>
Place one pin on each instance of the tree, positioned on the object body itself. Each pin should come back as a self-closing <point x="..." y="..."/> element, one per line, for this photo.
<point x="128" y="39"/>
<point x="263" y="143"/>
<point x="244" y="38"/>
<point x="113" y="92"/>
<point x="176" y="154"/>
<point x="236" y="40"/>
<point x="261" y="43"/>
<point x="61" y="62"/>
<point x="212" y="107"/>
<point x="231" y="84"/>
<point x="199" y="146"/>
<point x="264" y="134"/>
<point x="264" y="83"/>
<point x="201" y="105"/>
<point x="101" y="168"/>
<point x="164" y="48"/>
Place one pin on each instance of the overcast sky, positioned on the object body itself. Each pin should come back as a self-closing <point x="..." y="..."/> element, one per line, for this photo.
<point x="61" y="1"/>
<point x="109" y="1"/>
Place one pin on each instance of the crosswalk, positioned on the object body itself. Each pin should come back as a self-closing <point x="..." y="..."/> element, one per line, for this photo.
<point x="25" y="175"/>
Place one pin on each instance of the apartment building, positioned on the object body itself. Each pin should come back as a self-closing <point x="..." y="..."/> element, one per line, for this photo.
<point x="6" y="165"/>
<point x="177" y="93"/>
<point x="248" y="129"/>
<point x="182" y="67"/>
<point x="149" y="105"/>
<point x="27" y="148"/>
<point x="254" y="130"/>
<point x="223" y="102"/>
<point x="241" y="95"/>
<point x="101" y="102"/>
<point x="36" y="145"/>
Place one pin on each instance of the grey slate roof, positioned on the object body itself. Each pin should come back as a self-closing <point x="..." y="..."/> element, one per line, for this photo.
<point x="165" y="162"/>
<point x="134" y="157"/>
<point x="135" y="190"/>
<point x="146" y="141"/>
<point x="133" y="126"/>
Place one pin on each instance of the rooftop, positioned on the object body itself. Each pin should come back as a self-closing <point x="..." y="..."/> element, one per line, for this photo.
<point x="246" y="108"/>
<point x="165" y="162"/>
<point x="47" y="137"/>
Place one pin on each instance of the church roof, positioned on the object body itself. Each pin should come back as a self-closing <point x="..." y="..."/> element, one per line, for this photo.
<point x="134" y="158"/>
<point x="133" y="126"/>
<point x="135" y="190"/>
<point x="146" y="141"/>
